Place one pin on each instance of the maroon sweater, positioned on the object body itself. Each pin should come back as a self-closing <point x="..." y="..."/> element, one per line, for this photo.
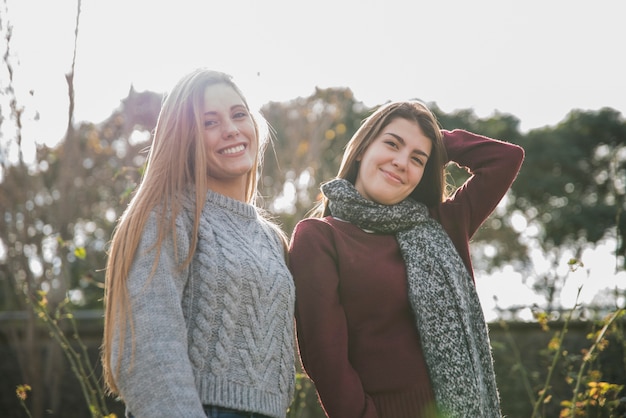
<point x="356" y="331"/>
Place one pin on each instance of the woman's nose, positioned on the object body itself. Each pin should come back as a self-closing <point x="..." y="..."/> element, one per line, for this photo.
<point x="230" y="129"/>
<point x="399" y="163"/>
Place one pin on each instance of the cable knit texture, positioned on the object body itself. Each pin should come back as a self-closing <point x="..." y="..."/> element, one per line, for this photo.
<point x="221" y="331"/>
<point x="443" y="298"/>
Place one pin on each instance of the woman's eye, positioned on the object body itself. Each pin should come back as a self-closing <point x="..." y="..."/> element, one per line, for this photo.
<point x="418" y="161"/>
<point x="209" y="123"/>
<point x="391" y="144"/>
<point x="240" y="115"/>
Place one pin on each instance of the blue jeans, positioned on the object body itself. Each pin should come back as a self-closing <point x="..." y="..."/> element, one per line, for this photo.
<point x="221" y="412"/>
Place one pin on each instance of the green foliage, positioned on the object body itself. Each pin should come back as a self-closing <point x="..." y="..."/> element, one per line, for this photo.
<point x="59" y="212"/>
<point x="590" y="393"/>
<point x="305" y="403"/>
<point x="56" y="322"/>
<point x="309" y="137"/>
<point x="63" y="210"/>
<point x="599" y="395"/>
<point x="572" y="185"/>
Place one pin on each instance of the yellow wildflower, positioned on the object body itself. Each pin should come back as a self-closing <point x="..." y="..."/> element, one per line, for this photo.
<point x="21" y="391"/>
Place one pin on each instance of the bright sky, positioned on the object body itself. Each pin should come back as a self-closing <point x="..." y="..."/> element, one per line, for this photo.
<point x="534" y="59"/>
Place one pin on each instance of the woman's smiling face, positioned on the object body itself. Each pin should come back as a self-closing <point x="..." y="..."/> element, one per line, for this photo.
<point x="393" y="165"/>
<point x="230" y="140"/>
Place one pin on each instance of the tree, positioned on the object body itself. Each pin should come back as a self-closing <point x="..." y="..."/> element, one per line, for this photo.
<point x="309" y="136"/>
<point x="572" y="186"/>
<point x="58" y="214"/>
<point x="575" y="177"/>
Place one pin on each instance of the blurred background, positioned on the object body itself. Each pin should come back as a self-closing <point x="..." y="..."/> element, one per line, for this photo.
<point x="81" y="84"/>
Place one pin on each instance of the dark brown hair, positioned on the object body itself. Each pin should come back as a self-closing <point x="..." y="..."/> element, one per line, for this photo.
<point x="431" y="189"/>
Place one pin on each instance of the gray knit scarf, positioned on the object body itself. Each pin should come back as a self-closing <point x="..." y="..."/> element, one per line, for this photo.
<point x="442" y="295"/>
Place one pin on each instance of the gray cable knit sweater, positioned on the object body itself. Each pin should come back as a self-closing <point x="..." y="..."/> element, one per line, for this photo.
<point x="221" y="331"/>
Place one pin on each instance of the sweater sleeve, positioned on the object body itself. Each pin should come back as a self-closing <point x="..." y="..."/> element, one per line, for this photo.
<point x="321" y="324"/>
<point x="156" y="377"/>
<point x="493" y="166"/>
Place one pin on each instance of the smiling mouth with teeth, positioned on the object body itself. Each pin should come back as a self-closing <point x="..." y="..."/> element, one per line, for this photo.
<point x="233" y="150"/>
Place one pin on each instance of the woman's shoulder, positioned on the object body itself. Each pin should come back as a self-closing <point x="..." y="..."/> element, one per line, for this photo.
<point x="273" y="231"/>
<point x="327" y="222"/>
<point x="328" y="227"/>
<point x="182" y="223"/>
<point x="183" y="218"/>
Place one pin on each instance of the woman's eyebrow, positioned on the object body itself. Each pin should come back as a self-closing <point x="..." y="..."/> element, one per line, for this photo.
<point x="403" y="142"/>
<point x="233" y="107"/>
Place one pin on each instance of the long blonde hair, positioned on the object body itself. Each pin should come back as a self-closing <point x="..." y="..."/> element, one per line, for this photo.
<point x="176" y="163"/>
<point x="432" y="188"/>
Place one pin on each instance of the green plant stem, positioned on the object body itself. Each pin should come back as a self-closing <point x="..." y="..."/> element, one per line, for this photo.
<point x="96" y="388"/>
<point x="518" y="361"/>
<point x="73" y="358"/>
<point x="555" y="359"/>
<point x="79" y="364"/>
<point x="25" y="408"/>
<point x="590" y="356"/>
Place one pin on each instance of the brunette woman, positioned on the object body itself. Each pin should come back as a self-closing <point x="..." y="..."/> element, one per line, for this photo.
<point x="389" y="323"/>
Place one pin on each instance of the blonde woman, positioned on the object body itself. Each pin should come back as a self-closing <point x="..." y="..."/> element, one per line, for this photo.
<point x="199" y="301"/>
<point x="389" y="323"/>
